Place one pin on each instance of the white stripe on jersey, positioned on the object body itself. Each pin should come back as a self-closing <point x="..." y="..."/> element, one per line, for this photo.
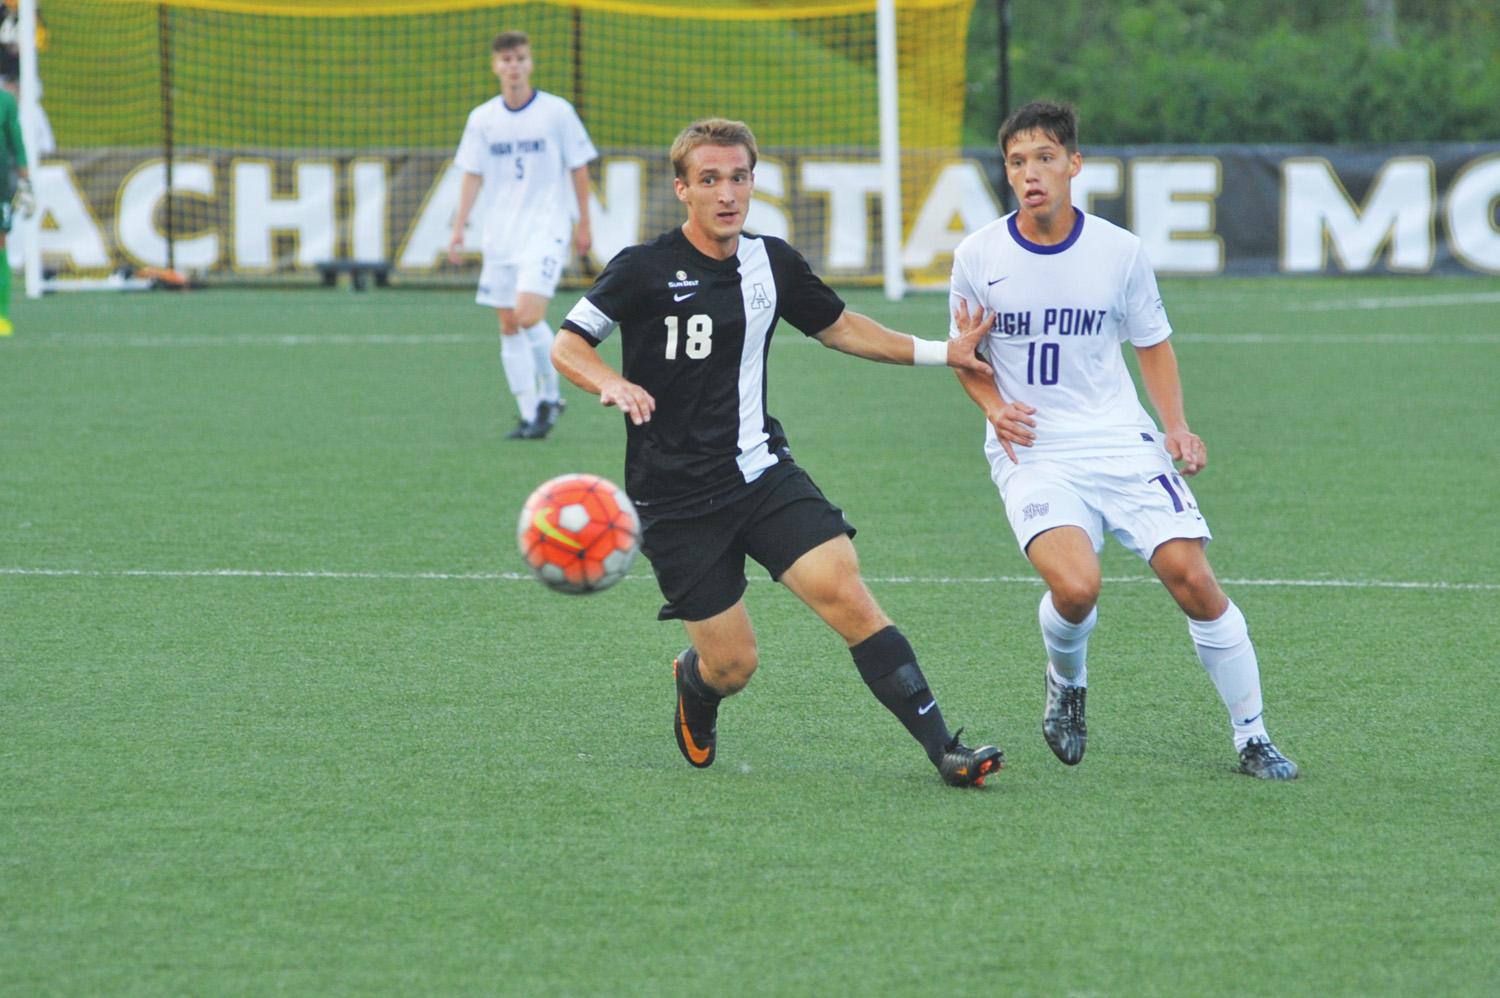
<point x="586" y="315"/>
<point x="755" y="277"/>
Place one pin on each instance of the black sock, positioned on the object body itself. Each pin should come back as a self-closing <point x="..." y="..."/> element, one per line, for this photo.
<point x="889" y="667"/>
<point x="687" y="666"/>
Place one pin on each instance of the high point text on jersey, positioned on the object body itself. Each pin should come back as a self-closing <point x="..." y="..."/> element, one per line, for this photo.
<point x="1055" y="322"/>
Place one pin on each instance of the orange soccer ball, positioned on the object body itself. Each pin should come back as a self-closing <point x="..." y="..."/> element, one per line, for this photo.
<point x="579" y="533"/>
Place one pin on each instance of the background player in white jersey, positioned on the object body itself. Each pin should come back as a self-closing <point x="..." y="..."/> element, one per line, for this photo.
<point x="528" y="153"/>
<point x="707" y="465"/>
<point x="1071" y="450"/>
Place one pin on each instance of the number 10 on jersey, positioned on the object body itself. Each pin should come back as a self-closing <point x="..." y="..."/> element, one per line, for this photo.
<point x="1041" y="365"/>
<point x="700" y="331"/>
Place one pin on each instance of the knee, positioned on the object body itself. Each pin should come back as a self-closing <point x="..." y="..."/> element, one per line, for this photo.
<point x="528" y="315"/>
<point x="849" y="608"/>
<point x="509" y="325"/>
<point x="1196" y="590"/>
<point x="1074" y="597"/>
<point x="729" y="672"/>
<point x="1205" y="601"/>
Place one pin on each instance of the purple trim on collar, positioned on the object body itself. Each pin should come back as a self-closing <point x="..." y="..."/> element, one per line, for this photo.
<point x="1031" y="247"/>
<point x="518" y="110"/>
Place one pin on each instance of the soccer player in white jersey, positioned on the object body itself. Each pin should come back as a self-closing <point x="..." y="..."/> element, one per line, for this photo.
<point x="529" y="154"/>
<point x="1070" y="447"/>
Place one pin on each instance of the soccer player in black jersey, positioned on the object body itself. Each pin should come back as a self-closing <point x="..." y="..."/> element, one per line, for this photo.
<point x="707" y="465"/>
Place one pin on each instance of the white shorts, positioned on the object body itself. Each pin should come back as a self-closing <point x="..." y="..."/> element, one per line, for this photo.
<point x="535" y="270"/>
<point x="1139" y="497"/>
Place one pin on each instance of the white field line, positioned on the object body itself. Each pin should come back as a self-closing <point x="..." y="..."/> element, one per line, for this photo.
<point x="82" y="339"/>
<point x="87" y="340"/>
<point x="1341" y="339"/>
<point x="74" y="339"/>
<point x="895" y="580"/>
<point x="1345" y="304"/>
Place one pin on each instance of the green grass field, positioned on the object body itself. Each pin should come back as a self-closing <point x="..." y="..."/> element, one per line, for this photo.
<point x="279" y="715"/>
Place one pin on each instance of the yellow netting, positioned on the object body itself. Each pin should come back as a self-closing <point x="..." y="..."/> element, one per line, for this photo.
<point x="350" y="79"/>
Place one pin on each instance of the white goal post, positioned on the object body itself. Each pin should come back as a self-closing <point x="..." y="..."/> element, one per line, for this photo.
<point x="29" y="226"/>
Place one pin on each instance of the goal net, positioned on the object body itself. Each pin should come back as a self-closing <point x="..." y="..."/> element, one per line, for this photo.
<point x="252" y="140"/>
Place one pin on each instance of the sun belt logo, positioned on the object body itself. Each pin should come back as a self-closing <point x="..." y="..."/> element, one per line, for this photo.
<point x="1032" y="510"/>
<point x="682" y="281"/>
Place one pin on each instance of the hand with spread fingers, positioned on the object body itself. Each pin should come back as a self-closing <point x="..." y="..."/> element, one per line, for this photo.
<point x="963" y="349"/>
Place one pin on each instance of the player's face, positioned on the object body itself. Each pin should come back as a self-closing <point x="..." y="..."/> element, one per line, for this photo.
<point x="717" y="192"/>
<point x="1041" y="171"/>
<point x="513" y="67"/>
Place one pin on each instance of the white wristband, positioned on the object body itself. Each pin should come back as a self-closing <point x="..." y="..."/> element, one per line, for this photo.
<point x="929" y="353"/>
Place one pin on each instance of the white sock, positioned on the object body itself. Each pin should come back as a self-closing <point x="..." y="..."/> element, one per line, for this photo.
<point x="1067" y="643"/>
<point x="520" y="372"/>
<point x="540" y="338"/>
<point x="1225" y="650"/>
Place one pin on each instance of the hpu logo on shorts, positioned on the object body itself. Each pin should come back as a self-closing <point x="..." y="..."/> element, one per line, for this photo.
<point x="758" y="297"/>
<point x="1035" y="509"/>
<point x="682" y="281"/>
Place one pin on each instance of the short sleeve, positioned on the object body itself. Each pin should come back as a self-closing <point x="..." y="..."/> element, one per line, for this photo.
<point x="470" y="155"/>
<point x="1145" y="317"/>
<point x="803" y="299"/>
<point x="578" y="150"/>
<point x="610" y="301"/>
<point x="961" y="289"/>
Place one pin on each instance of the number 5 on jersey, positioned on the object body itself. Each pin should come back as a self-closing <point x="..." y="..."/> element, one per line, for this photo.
<point x="700" y="332"/>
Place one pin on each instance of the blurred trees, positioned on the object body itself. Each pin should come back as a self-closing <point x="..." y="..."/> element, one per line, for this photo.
<point x="1283" y="71"/>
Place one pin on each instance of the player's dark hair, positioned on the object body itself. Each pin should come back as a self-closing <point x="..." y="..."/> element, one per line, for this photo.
<point x="711" y="132"/>
<point x="507" y="40"/>
<point x="1059" y="121"/>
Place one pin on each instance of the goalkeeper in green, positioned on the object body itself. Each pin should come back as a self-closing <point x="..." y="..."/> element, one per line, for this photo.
<point x="15" y="192"/>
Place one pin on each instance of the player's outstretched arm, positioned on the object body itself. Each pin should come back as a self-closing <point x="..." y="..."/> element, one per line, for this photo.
<point x="577" y="360"/>
<point x="861" y="336"/>
<point x="1164" y="384"/>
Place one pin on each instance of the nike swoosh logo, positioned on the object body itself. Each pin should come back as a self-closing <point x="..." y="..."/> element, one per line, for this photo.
<point x="1250" y="719"/>
<point x="924" y="710"/>
<point x="997" y="280"/>
<point x="696" y="754"/>
<point x="684" y="297"/>
<point x="539" y="521"/>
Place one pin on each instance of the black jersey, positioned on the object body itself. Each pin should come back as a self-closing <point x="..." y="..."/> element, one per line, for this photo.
<point x="695" y="332"/>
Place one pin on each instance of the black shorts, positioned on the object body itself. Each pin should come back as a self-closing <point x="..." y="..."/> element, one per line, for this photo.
<point x="700" y="561"/>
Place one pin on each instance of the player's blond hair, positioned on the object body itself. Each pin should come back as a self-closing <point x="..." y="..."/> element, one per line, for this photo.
<point x="711" y="132"/>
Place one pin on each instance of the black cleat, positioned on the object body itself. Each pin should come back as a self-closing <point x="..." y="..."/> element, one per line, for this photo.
<point x="962" y="766"/>
<point x="547" y="414"/>
<point x="533" y="430"/>
<point x="1260" y="759"/>
<point x="1062" y="724"/>
<point x="695" y="721"/>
